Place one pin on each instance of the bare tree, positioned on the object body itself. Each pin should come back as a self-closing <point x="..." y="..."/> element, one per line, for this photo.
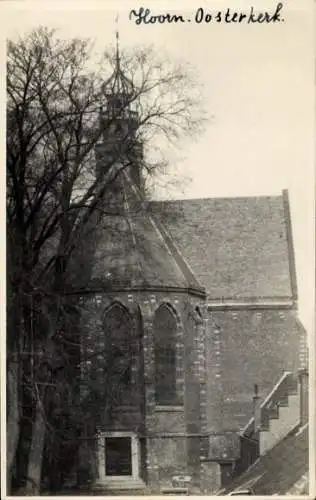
<point x="55" y="89"/>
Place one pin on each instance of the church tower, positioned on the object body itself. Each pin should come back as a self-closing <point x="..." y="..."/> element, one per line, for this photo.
<point x="119" y="123"/>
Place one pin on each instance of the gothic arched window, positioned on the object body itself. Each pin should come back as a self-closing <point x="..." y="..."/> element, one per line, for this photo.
<point x="165" y="328"/>
<point x="118" y="330"/>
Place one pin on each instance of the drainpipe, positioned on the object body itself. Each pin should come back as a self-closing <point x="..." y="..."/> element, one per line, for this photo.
<point x="303" y="392"/>
<point x="256" y="409"/>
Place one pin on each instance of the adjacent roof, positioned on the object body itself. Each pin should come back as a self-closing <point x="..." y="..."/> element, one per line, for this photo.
<point x="283" y="470"/>
<point x="236" y="247"/>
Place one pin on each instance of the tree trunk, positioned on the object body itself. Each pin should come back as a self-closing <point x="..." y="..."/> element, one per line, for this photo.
<point x="36" y="452"/>
<point x="13" y="416"/>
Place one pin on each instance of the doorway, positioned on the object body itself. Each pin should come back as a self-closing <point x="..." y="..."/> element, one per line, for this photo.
<point x="119" y="456"/>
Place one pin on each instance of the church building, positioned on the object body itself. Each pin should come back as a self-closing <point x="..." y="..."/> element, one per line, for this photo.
<point x="188" y="305"/>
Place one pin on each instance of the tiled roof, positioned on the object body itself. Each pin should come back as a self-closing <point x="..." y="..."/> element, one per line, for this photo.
<point x="231" y="247"/>
<point x="134" y="249"/>
<point x="236" y="247"/>
<point x="128" y="248"/>
<point x="282" y="470"/>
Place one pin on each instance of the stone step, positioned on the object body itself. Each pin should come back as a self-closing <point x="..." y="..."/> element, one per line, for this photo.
<point x="99" y="492"/>
<point x="119" y="484"/>
<point x="112" y="492"/>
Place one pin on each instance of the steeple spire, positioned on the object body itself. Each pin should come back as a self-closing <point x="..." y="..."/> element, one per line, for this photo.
<point x="119" y="120"/>
<point x="117" y="36"/>
<point x="118" y="84"/>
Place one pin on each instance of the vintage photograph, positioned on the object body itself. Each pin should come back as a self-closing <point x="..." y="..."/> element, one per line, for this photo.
<point x="159" y="248"/>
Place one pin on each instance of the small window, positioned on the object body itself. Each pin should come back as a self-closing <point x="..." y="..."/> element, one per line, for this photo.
<point x="117" y="104"/>
<point x="198" y="311"/>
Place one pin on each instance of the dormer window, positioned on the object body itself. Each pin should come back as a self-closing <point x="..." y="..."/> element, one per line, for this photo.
<point x="118" y="104"/>
<point x="118" y="128"/>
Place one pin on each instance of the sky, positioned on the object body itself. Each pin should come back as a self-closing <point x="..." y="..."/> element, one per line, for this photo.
<point x="258" y="87"/>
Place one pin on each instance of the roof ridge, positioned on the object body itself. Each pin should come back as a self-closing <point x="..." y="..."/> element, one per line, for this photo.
<point x="203" y="198"/>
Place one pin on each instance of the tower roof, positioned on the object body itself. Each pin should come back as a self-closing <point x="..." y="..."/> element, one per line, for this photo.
<point x="118" y="83"/>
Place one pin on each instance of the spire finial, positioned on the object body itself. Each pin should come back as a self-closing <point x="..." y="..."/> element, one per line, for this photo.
<point x="117" y="41"/>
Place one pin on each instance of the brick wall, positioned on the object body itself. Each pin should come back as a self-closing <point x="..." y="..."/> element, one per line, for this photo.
<point x="246" y="347"/>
